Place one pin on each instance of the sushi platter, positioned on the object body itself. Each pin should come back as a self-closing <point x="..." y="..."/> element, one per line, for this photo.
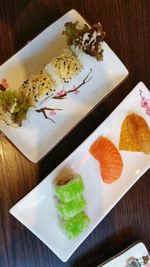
<point x="51" y="85"/>
<point x="71" y="201"/>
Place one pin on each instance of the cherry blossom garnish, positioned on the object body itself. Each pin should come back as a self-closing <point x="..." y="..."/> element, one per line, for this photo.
<point x="76" y="92"/>
<point x="61" y="93"/>
<point x="52" y="111"/>
<point x="148" y="111"/>
<point x="145" y="103"/>
<point x="74" y="88"/>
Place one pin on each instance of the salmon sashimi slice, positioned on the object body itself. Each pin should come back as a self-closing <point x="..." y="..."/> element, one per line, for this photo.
<point x="109" y="158"/>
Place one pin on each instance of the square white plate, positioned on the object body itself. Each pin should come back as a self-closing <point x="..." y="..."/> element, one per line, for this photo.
<point x="137" y="251"/>
<point x="37" y="210"/>
<point x="38" y="135"/>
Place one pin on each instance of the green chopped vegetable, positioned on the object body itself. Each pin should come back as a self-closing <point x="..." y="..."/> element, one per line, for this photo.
<point x="88" y="39"/>
<point x="7" y="100"/>
<point x="71" y="189"/>
<point x="72" y="32"/>
<point x="71" y="208"/>
<point x="76" y="225"/>
<point x="14" y="103"/>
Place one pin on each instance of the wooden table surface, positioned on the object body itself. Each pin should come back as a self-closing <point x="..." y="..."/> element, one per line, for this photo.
<point x="127" y="26"/>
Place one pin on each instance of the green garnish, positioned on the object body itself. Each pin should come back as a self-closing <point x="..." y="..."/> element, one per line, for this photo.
<point x="72" y="32"/>
<point x="14" y="103"/>
<point x="88" y="39"/>
<point x="76" y="225"/>
<point x="7" y="100"/>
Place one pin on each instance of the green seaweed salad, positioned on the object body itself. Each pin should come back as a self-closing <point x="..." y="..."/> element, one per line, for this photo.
<point x="13" y="105"/>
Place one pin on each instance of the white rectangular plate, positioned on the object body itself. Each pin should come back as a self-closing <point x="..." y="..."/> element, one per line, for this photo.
<point x="37" y="210"/>
<point x="135" y="251"/>
<point x="38" y="135"/>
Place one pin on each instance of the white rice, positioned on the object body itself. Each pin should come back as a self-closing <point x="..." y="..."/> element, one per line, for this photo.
<point x="84" y="58"/>
<point x="51" y="71"/>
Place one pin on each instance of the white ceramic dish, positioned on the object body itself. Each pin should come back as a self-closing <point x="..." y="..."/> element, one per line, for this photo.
<point x="37" y="209"/>
<point x="137" y="251"/>
<point x="38" y="135"/>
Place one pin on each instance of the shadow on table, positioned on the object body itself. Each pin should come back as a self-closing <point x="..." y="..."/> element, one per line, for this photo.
<point x="96" y="256"/>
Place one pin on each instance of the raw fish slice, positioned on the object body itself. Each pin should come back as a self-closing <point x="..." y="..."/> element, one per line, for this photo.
<point x="109" y="158"/>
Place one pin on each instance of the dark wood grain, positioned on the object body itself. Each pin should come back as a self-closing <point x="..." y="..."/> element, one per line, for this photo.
<point x="127" y="25"/>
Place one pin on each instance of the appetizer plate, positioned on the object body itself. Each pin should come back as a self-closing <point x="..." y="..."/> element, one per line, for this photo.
<point x="136" y="251"/>
<point x="37" y="209"/>
<point x="39" y="135"/>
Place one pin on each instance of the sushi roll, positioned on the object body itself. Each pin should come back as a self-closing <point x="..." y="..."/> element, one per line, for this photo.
<point x="37" y="87"/>
<point x="71" y="205"/>
<point x="64" y="67"/>
<point x="69" y="188"/>
<point x="71" y="208"/>
<point x="76" y="225"/>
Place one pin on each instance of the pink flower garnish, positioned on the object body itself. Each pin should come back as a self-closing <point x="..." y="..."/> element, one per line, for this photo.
<point x="52" y="112"/>
<point x="4" y="83"/>
<point x="61" y="93"/>
<point x="144" y="102"/>
<point x="148" y="102"/>
<point x="148" y="110"/>
<point x="76" y="92"/>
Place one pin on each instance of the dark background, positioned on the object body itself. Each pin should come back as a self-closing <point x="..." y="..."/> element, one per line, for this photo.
<point x="126" y="23"/>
